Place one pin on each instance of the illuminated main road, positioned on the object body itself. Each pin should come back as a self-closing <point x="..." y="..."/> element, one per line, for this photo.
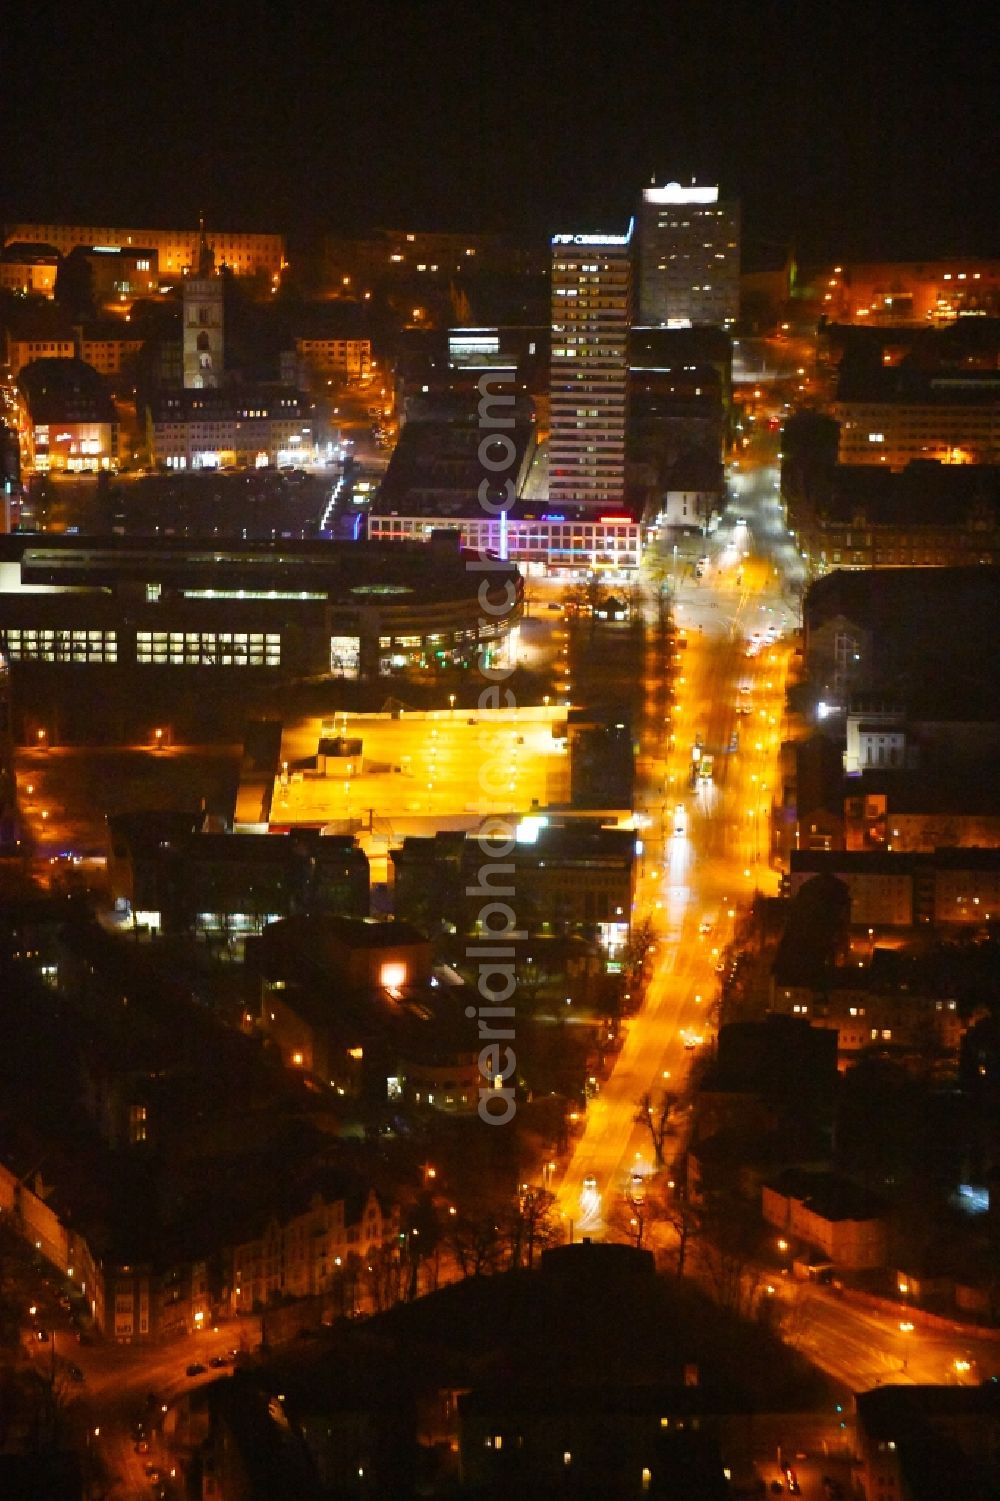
<point x="693" y="882"/>
<point x="700" y="864"/>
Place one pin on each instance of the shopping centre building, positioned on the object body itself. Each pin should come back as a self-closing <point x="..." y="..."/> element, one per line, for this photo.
<point x="285" y="611"/>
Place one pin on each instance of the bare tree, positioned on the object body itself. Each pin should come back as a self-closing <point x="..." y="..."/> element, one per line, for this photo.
<point x="685" y="1219"/>
<point x="474" y="1241"/>
<point x="727" y="1253"/>
<point x="528" y="1224"/>
<point x="641" y="939"/>
<point x="383" y="1278"/>
<point x="637" y="1216"/>
<point x="656" y="1117"/>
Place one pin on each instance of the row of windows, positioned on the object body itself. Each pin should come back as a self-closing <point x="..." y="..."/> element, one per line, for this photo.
<point x="200" y="648"/>
<point x="178" y="427"/>
<point x="911" y="556"/>
<point x="208" y="648"/>
<point x="590" y="533"/>
<point x="931" y="536"/>
<point x="62" y="646"/>
<point x="451" y="638"/>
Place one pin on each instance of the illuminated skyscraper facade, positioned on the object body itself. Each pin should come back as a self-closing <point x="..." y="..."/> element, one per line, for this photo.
<point x="591" y="314"/>
<point x="689" y="256"/>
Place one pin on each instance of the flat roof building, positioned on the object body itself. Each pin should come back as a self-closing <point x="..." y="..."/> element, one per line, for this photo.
<point x="120" y="273"/>
<point x="588" y="392"/>
<point x="893" y="415"/>
<point x="147" y="615"/>
<point x="689" y="256"/>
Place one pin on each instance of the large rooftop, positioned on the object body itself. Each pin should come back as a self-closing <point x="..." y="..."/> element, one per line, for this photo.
<point x="347" y="573"/>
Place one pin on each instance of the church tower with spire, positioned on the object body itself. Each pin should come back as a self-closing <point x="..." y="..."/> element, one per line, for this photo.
<point x="204" y="346"/>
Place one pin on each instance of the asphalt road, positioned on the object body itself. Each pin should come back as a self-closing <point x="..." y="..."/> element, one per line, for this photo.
<point x="693" y="884"/>
<point x="700" y="866"/>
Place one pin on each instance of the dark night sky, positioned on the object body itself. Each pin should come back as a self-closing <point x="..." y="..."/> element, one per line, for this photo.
<point x="856" y="128"/>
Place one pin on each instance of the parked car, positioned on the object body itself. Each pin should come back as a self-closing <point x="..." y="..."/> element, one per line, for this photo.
<point x="195" y="1369"/>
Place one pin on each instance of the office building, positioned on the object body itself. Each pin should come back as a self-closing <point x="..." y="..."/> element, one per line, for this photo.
<point x="591" y="314"/>
<point x="576" y="877"/>
<point x="119" y="274"/>
<point x="689" y="256"/>
<point x="892" y="416"/>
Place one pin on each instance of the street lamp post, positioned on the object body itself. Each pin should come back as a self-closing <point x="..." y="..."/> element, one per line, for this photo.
<point x="905" y="1328"/>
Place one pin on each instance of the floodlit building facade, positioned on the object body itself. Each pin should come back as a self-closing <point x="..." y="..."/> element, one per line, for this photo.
<point x="29" y="269"/>
<point x="349" y="358"/>
<point x="177" y="249"/>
